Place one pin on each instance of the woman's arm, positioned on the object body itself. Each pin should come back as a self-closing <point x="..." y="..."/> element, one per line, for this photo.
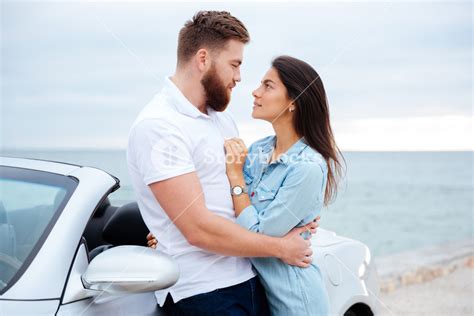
<point x="240" y="201"/>
<point x="299" y="195"/>
<point x="236" y="153"/>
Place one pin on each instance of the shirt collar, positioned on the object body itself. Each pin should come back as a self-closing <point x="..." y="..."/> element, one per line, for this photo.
<point x="295" y="149"/>
<point x="180" y="102"/>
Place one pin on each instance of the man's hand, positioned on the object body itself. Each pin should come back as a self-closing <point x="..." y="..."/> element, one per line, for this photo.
<point x="313" y="226"/>
<point x="306" y="260"/>
<point x="151" y="240"/>
<point x="296" y="250"/>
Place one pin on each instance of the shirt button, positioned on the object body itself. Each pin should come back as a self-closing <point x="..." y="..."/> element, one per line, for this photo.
<point x="284" y="158"/>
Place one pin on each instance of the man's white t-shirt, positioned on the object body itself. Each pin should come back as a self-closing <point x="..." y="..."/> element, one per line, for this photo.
<point x="171" y="137"/>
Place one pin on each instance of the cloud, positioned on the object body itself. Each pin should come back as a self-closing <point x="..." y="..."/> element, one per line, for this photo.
<point x="94" y="62"/>
<point x="406" y="134"/>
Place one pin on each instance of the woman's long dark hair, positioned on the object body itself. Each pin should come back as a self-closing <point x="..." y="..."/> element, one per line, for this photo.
<point x="311" y="115"/>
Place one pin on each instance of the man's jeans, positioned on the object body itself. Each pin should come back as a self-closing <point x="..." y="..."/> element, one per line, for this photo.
<point x="247" y="298"/>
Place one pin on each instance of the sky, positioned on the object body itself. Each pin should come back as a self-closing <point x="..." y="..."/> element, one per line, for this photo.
<point x="398" y="74"/>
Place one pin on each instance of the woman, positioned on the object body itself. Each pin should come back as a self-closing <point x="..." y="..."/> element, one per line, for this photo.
<point x="288" y="178"/>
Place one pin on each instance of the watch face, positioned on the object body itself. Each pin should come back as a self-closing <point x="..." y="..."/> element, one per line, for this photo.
<point x="237" y="190"/>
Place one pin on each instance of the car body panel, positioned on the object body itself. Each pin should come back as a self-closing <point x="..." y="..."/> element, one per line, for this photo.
<point x="21" y="307"/>
<point x="131" y="304"/>
<point x="75" y="290"/>
<point x="41" y="165"/>
<point x="340" y="260"/>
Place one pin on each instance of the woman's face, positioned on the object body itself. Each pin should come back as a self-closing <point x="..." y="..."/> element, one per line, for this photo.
<point x="271" y="98"/>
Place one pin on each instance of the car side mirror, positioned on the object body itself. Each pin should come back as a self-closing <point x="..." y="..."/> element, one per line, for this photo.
<point x="130" y="269"/>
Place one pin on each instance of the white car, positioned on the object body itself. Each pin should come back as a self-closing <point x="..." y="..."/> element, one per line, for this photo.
<point x="65" y="250"/>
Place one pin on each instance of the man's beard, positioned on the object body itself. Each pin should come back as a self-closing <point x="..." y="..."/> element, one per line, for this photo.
<point x="217" y="96"/>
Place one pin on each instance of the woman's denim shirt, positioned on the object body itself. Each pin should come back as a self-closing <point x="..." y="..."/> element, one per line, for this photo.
<point x="285" y="194"/>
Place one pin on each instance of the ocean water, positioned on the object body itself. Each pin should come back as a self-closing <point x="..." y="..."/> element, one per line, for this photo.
<point x="391" y="201"/>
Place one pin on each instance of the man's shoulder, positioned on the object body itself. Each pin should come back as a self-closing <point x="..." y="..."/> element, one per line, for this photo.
<point x="157" y="113"/>
<point x="159" y="107"/>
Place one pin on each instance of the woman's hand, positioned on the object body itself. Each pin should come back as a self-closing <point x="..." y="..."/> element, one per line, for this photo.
<point x="236" y="152"/>
<point x="151" y="240"/>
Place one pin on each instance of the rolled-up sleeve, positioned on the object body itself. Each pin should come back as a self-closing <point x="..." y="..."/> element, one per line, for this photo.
<point x="300" y="195"/>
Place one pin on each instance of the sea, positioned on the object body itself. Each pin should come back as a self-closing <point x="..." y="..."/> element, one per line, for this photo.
<point x="391" y="201"/>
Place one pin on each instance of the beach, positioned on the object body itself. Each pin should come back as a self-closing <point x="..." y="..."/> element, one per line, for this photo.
<point x="450" y="294"/>
<point x="436" y="283"/>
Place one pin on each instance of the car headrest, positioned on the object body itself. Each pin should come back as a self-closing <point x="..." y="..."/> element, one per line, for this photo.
<point x="126" y="227"/>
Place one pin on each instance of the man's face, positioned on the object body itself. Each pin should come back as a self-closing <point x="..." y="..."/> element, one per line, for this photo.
<point x="223" y="75"/>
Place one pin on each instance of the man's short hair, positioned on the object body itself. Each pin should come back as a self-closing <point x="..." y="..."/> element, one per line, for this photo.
<point x="211" y="30"/>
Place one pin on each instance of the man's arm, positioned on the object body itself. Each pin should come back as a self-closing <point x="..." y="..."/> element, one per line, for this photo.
<point x="208" y="231"/>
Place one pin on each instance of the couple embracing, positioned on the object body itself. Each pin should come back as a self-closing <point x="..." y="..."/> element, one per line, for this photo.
<point x="237" y="221"/>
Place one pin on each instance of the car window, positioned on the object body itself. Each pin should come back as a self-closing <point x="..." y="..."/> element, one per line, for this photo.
<point x="30" y="202"/>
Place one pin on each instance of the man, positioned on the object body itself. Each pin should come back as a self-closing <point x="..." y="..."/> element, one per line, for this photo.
<point x="176" y="161"/>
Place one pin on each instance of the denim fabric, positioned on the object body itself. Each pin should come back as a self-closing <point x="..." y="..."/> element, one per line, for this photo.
<point x="244" y="299"/>
<point x="286" y="193"/>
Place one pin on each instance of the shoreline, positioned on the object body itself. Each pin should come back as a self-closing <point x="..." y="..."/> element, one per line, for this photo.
<point x="423" y="265"/>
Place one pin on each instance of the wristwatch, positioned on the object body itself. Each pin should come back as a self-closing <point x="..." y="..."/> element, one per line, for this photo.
<point x="238" y="190"/>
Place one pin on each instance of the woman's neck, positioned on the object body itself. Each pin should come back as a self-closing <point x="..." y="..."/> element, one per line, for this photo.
<point x="286" y="137"/>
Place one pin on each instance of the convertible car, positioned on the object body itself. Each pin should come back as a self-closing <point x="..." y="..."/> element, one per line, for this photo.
<point x="65" y="250"/>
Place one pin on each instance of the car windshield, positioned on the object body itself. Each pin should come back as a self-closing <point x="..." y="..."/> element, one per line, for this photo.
<point x="30" y="203"/>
